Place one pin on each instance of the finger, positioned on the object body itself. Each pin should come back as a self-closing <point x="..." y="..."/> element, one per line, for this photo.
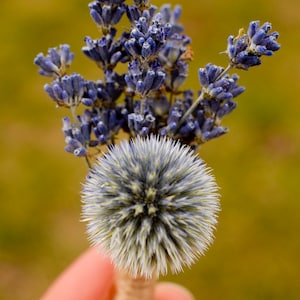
<point x="171" y="291"/>
<point x="89" y="277"/>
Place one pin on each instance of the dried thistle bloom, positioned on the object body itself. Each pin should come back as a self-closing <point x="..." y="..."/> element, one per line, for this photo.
<point x="151" y="204"/>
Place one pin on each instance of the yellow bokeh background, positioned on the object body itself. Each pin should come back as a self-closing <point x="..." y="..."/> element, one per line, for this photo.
<point x="256" y="251"/>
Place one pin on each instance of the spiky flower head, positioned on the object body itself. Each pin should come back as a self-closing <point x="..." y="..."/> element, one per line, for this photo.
<point x="151" y="204"/>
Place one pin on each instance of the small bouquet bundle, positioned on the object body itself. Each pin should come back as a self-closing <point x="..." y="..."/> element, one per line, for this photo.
<point x="150" y="202"/>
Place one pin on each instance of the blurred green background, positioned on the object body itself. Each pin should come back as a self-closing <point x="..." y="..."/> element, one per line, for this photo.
<point x="256" y="251"/>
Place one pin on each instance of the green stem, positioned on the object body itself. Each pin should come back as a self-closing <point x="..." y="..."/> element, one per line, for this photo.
<point x="88" y="162"/>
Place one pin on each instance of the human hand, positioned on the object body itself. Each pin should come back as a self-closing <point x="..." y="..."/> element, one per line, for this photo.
<point x="91" y="277"/>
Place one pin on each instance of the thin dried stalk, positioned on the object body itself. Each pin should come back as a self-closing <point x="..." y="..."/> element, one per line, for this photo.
<point x="129" y="288"/>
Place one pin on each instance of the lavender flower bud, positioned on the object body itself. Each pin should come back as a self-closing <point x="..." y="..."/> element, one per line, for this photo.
<point x="106" y="13"/>
<point x="142" y="81"/>
<point x="74" y="146"/>
<point x="217" y="86"/>
<point x="245" y="50"/>
<point x="56" y="62"/>
<point x="105" y="51"/>
<point x="141" y="3"/>
<point x="68" y="92"/>
<point x="151" y="205"/>
<point x="214" y="133"/>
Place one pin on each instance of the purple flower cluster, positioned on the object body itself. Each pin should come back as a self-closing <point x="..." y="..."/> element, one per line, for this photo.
<point x="107" y="13"/>
<point x="56" y="63"/>
<point x="147" y="98"/>
<point x="245" y="50"/>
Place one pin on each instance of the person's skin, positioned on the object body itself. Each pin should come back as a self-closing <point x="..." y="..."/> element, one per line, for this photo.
<point x="91" y="277"/>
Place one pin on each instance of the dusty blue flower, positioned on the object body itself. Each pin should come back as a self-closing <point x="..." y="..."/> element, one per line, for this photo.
<point x="200" y="126"/>
<point x="142" y="121"/>
<point x="262" y="43"/>
<point x="144" y="81"/>
<point x="107" y="13"/>
<point x="135" y="12"/>
<point x="90" y="93"/>
<point x="218" y="86"/>
<point x="172" y="17"/>
<point x="74" y="138"/>
<point x="68" y="91"/>
<point x="200" y="121"/>
<point x="151" y="204"/>
<point x="147" y="37"/>
<point x="101" y="93"/>
<point x="106" y="123"/>
<point x="106" y="52"/>
<point x="56" y="62"/>
<point x="245" y="50"/>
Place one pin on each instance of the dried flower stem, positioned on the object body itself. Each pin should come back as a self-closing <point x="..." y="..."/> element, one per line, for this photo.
<point x="130" y="288"/>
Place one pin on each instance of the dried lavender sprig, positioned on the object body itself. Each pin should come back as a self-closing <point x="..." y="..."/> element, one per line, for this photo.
<point x="244" y="51"/>
<point x="158" y="54"/>
<point x="107" y="56"/>
<point x="218" y="88"/>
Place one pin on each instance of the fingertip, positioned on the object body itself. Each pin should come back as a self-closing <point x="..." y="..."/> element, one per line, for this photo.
<point x="172" y="291"/>
<point x="89" y="277"/>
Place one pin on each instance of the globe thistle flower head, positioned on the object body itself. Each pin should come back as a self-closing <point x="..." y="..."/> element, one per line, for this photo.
<point x="151" y="205"/>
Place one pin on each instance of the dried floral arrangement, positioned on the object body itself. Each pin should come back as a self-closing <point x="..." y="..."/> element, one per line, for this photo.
<point x="150" y="202"/>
